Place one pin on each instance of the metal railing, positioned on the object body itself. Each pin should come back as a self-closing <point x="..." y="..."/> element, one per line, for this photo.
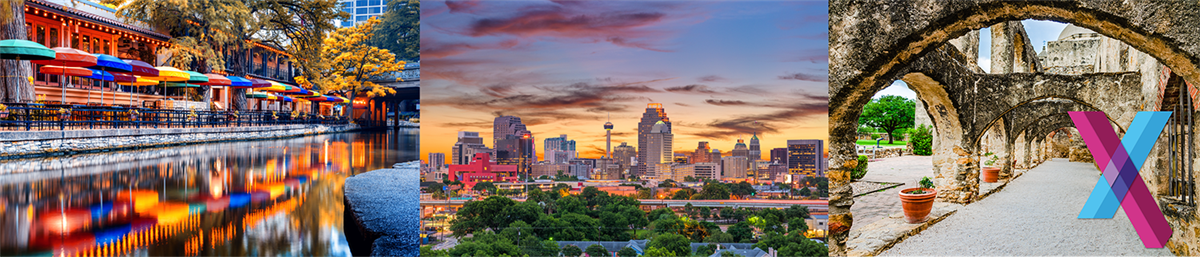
<point x="1181" y="180"/>
<point x="27" y="117"/>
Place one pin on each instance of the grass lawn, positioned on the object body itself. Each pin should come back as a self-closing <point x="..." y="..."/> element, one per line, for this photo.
<point x="883" y="143"/>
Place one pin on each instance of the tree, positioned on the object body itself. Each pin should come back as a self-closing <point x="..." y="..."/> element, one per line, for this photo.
<point x="484" y="187"/>
<point x="742" y="189"/>
<point x="922" y="140"/>
<point x="645" y="193"/>
<point x="596" y="250"/>
<point x="659" y="252"/>
<point x="672" y="242"/>
<point x="730" y="254"/>
<point x="792" y="244"/>
<point x="797" y="224"/>
<point x="797" y="211"/>
<point x="485" y="243"/>
<point x="477" y="215"/>
<point x="683" y="194"/>
<point x="741" y="231"/>
<point x="728" y="213"/>
<point x="352" y="62"/>
<point x="570" y="204"/>
<point x="571" y="250"/>
<point x="712" y="191"/>
<point x="718" y="236"/>
<point x="16" y="80"/>
<point x="889" y="113"/>
<point x="627" y="252"/>
<point x="689" y="179"/>
<point x="706" y="250"/>
<point x="400" y="30"/>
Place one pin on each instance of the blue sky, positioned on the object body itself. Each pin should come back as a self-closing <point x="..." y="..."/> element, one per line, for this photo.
<point x="721" y="69"/>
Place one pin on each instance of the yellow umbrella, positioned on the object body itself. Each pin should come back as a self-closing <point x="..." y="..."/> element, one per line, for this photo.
<point x="276" y="87"/>
<point x="141" y="81"/>
<point x="167" y="73"/>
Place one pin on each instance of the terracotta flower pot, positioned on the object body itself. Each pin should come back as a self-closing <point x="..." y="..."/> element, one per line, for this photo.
<point x="3" y="114"/>
<point x="917" y="206"/>
<point x="991" y="174"/>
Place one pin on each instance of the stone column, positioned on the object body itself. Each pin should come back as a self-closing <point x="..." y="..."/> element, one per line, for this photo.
<point x="1006" y="165"/>
<point x="1002" y="48"/>
<point x="842" y="158"/>
<point x="961" y="185"/>
<point x="1028" y="155"/>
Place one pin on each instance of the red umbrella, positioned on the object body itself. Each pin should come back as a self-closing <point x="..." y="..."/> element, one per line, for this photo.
<point x="70" y="57"/>
<point x="66" y="71"/>
<point x="216" y="80"/>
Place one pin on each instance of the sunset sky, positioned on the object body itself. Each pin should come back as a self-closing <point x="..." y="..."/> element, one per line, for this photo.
<point x="564" y="66"/>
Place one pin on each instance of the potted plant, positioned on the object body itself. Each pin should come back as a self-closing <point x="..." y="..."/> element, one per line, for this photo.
<point x="3" y="111"/>
<point x="133" y="114"/>
<point x="990" y="174"/>
<point x="918" y="201"/>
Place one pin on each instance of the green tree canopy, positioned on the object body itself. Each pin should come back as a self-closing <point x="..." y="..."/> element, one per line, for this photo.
<point x="400" y="31"/>
<point x="889" y="113"/>
<point x="672" y="242"/>
<point x="596" y="250"/>
<point x="712" y="191"/>
<point x="571" y="250"/>
<point x="627" y="252"/>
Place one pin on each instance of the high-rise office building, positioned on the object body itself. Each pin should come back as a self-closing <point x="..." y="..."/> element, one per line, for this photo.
<point x="559" y="149"/>
<point x="755" y="148"/>
<point x="779" y="155"/>
<point x="740" y="149"/>
<point x="658" y="147"/>
<point x="703" y="153"/>
<point x="735" y="166"/>
<point x="516" y="150"/>
<point x="715" y="156"/>
<point x="362" y="10"/>
<point x="505" y="126"/>
<point x="805" y="158"/>
<point x="624" y="155"/>
<point x="464" y="150"/>
<point x="705" y="170"/>
<point x="437" y="161"/>
<point x="653" y="116"/>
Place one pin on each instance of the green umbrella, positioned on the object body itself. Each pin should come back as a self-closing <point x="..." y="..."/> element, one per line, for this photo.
<point x="196" y="77"/>
<point x="177" y="84"/>
<point x="24" y="50"/>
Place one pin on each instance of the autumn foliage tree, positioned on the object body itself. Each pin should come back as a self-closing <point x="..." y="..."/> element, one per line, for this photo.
<point x="352" y="62"/>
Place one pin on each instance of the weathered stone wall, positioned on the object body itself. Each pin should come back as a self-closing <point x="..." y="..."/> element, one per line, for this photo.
<point x="17" y="144"/>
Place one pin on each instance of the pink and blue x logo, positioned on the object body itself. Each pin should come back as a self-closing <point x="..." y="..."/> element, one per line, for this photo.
<point x="1120" y="184"/>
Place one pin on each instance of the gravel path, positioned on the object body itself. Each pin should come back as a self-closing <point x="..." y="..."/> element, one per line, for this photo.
<point x="875" y="206"/>
<point x="1033" y="215"/>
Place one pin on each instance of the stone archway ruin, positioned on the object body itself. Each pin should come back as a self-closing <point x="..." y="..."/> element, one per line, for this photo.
<point x="872" y="43"/>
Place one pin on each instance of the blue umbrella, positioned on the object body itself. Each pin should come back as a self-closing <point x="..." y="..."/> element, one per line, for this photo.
<point x="106" y="62"/>
<point x="239" y="82"/>
<point x="101" y="75"/>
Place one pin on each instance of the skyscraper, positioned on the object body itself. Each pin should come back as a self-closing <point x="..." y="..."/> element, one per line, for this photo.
<point x="436" y="161"/>
<point x="559" y="149"/>
<point x="755" y="150"/>
<point x="516" y="150"/>
<point x="608" y="126"/>
<point x="624" y="155"/>
<point x="658" y="148"/>
<point x="805" y="158"/>
<point x="716" y="155"/>
<point x="735" y="166"/>
<point x="654" y="115"/>
<point x="361" y="10"/>
<point x="702" y="154"/>
<point x="462" y="153"/>
<point x="505" y="126"/>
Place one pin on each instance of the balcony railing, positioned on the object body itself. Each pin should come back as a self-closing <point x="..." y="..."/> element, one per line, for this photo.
<point x="26" y="117"/>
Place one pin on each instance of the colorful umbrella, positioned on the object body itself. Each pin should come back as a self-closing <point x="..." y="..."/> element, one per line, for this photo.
<point x="66" y="71"/>
<point x="277" y="87"/>
<point x="101" y="75"/>
<point x="178" y="84"/>
<point x="256" y="95"/>
<point x="23" y="49"/>
<point x="239" y="82"/>
<point x="167" y="73"/>
<point x="106" y="62"/>
<point x="217" y="80"/>
<point x="139" y="68"/>
<point x="141" y="81"/>
<point x="196" y="77"/>
<point x="260" y="83"/>
<point x="68" y="57"/>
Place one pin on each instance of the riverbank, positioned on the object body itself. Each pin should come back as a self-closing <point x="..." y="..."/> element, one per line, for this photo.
<point x="30" y="144"/>
<point x="381" y="213"/>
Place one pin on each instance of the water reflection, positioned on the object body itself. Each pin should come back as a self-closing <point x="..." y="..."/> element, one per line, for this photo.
<point x="276" y="197"/>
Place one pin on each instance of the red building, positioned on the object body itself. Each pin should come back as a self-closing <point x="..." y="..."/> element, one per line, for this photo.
<point x="482" y="169"/>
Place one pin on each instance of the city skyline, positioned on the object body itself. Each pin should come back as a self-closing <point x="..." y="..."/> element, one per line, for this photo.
<point x="565" y="67"/>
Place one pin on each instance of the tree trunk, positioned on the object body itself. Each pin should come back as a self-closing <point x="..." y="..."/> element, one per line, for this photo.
<point x="16" y="86"/>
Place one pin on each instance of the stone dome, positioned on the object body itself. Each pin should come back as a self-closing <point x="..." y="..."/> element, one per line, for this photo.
<point x="1071" y="30"/>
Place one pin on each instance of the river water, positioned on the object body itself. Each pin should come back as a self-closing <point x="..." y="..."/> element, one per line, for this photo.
<point x="271" y="197"/>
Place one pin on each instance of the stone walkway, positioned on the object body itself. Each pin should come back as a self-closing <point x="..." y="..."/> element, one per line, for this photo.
<point x="905" y="169"/>
<point x="1033" y="215"/>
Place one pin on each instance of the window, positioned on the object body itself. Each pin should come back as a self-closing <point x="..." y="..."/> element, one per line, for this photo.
<point x="106" y="46"/>
<point x="362" y="10"/>
<point x="53" y="37"/>
<point x="95" y="45"/>
<point x="384" y="8"/>
<point x="362" y="18"/>
<point x="348" y="4"/>
<point x="86" y="44"/>
<point x="348" y="9"/>
<point x="40" y="35"/>
<point x="374" y="10"/>
<point x="347" y="23"/>
<point x="361" y="3"/>
<point x="374" y="2"/>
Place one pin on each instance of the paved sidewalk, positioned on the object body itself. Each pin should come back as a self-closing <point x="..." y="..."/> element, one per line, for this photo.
<point x="1034" y="215"/>
<point x="875" y="206"/>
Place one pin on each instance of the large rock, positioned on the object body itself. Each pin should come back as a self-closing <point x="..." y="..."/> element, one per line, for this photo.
<point x="382" y="211"/>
